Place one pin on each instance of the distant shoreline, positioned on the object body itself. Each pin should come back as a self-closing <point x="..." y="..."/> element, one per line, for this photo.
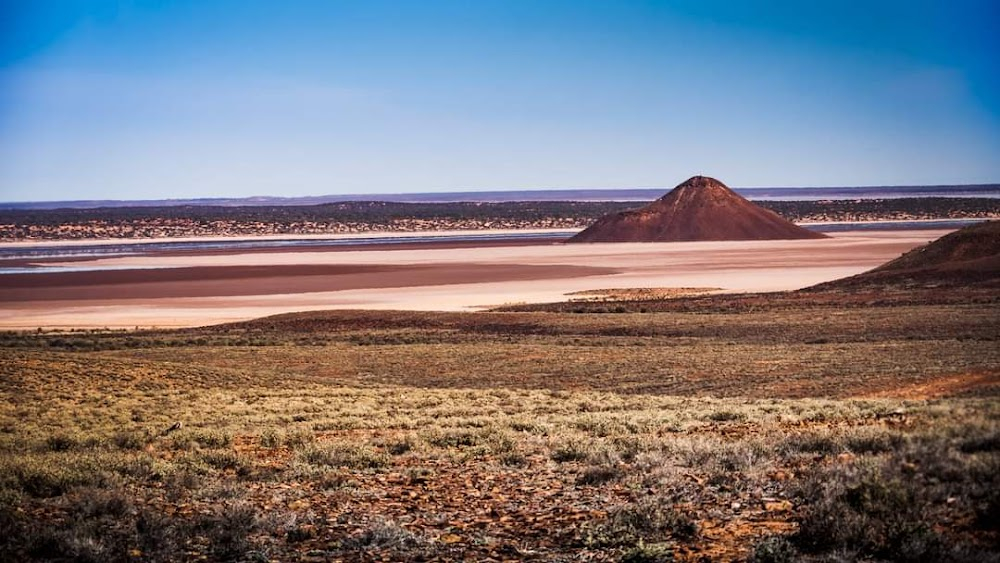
<point x="388" y="235"/>
<point x="375" y="219"/>
<point x="399" y="239"/>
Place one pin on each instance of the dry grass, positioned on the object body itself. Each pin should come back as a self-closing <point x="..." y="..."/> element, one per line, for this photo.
<point x="637" y="294"/>
<point x="361" y="436"/>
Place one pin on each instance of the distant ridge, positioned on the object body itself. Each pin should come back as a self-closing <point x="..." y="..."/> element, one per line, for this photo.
<point x="596" y="194"/>
<point x="969" y="257"/>
<point x="701" y="208"/>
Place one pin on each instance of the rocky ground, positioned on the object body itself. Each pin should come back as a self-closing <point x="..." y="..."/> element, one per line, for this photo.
<point x="768" y="434"/>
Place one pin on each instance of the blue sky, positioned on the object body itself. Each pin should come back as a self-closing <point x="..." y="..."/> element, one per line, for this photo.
<point x="218" y="98"/>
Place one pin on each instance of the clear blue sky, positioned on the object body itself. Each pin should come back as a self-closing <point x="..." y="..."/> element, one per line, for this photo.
<point x="206" y="98"/>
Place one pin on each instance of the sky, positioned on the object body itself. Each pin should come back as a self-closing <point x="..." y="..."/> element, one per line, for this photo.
<point x="103" y="99"/>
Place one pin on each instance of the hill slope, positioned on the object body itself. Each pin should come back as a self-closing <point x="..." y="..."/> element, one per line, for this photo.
<point x="701" y="208"/>
<point x="967" y="257"/>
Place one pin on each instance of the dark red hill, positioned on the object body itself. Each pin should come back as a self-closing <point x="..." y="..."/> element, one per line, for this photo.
<point x="701" y="208"/>
<point x="969" y="257"/>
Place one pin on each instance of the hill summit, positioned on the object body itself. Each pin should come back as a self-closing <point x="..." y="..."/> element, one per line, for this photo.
<point x="701" y="208"/>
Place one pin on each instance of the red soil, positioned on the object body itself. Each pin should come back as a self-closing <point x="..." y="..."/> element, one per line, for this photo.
<point x="265" y="280"/>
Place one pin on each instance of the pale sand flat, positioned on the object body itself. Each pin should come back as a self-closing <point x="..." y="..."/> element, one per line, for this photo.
<point x="735" y="266"/>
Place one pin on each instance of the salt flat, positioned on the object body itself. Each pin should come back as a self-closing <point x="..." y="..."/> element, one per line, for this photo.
<point x="253" y="284"/>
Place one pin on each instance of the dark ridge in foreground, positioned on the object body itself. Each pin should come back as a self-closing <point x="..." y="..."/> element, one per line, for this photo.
<point x="969" y="257"/>
<point x="701" y="208"/>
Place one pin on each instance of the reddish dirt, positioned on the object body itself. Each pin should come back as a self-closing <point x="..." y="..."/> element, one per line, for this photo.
<point x="938" y="387"/>
<point x="214" y="281"/>
<point x="700" y="209"/>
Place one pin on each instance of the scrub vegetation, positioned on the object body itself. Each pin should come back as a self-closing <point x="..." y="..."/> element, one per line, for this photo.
<point x="382" y="216"/>
<point x="773" y="434"/>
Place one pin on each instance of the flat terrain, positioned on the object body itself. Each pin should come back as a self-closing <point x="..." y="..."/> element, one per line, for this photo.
<point x="796" y="429"/>
<point x="191" y="289"/>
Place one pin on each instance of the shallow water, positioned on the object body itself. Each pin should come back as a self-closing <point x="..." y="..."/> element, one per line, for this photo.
<point x="114" y="249"/>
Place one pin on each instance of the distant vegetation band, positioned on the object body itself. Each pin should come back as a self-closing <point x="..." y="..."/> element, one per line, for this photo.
<point x="373" y="216"/>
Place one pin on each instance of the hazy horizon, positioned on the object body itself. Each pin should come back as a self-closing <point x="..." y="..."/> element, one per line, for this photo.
<point x="126" y="100"/>
<point x="636" y="194"/>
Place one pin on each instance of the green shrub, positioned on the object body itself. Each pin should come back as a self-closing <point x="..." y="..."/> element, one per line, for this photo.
<point x="130" y="440"/>
<point x="102" y="525"/>
<point x="864" y="511"/>
<point x="383" y="535"/>
<point x="228" y="529"/>
<point x="453" y="438"/>
<point x="269" y="439"/>
<point x="873" y="441"/>
<point x="649" y="520"/>
<point x="813" y="443"/>
<point x="227" y="460"/>
<point x="49" y="476"/>
<point x="298" y="438"/>
<point x="599" y="474"/>
<point x="61" y="442"/>
<point x="513" y="459"/>
<point x="773" y="549"/>
<point x="571" y="450"/>
<point x="212" y="438"/>
<point x="345" y="455"/>
<point x="651" y="553"/>
<point x="727" y="416"/>
<point x="400" y="447"/>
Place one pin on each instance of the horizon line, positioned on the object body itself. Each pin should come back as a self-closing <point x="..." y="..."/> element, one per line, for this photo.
<point x="454" y="195"/>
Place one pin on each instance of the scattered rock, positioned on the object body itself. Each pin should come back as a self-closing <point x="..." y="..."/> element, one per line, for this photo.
<point x="778" y="506"/>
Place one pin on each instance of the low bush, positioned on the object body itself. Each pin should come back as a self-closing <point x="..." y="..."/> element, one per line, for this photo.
<point x="882" y="509"/>
<point x="383" y="535"/>
<point x="345" y="455"/>
<point x="649" y="520"/>
<point x="773" y="549"/>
